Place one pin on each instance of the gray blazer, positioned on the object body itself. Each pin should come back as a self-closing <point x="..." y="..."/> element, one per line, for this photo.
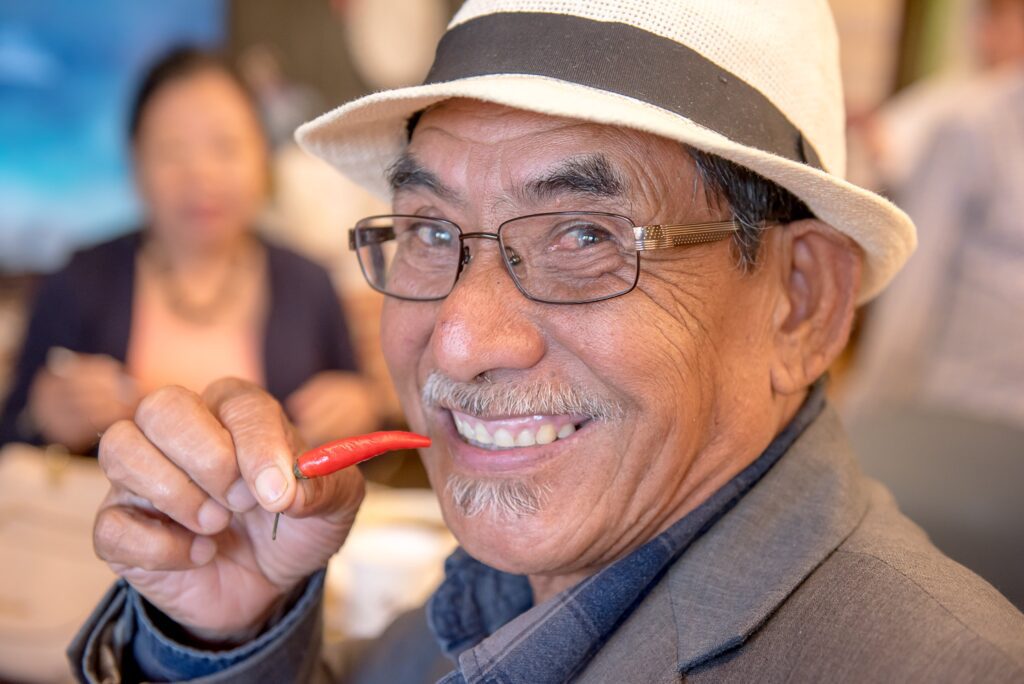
<point x="813" y="576"/>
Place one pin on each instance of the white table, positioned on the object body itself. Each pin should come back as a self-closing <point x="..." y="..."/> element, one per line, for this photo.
<point x="49" y="578"/>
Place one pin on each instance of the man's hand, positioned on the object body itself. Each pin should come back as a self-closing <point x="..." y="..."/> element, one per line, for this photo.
<point x="195" y="482"/>
<point x="78" y="396"/>
<point x="332" y="405"/>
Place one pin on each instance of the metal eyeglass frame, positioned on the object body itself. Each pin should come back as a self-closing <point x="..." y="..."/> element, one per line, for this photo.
<point x="646" y="238"/>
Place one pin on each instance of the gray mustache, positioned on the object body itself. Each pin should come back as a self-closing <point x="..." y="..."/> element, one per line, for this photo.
<point x="484" y="398"/>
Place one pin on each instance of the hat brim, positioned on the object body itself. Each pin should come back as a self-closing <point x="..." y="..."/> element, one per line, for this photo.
<point x="364" y="137"/>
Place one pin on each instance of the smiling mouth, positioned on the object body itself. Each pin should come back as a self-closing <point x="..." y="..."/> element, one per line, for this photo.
<point x="511" y="433"/>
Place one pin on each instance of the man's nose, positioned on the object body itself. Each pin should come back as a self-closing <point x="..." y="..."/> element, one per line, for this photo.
<point x="486" y="324"/>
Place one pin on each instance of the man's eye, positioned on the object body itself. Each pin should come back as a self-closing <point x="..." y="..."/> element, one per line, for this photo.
<point x="582" y="236"/>
<point x="434" y="236"/>
<point x="591" y="235"/>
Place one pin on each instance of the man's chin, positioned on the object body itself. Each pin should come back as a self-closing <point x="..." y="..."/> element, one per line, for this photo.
<point x="497" y="520"/>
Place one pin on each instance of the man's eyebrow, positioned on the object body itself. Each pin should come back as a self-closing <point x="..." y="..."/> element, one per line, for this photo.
<point x="408" y="173"/>
<point x="589" y="174"/>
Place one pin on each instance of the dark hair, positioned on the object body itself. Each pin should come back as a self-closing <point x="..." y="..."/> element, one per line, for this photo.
<point x="182" y="62"/>
<point x="753" y="200"/>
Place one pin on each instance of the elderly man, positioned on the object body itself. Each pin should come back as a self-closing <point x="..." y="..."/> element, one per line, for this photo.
<point x="620" y="262"/>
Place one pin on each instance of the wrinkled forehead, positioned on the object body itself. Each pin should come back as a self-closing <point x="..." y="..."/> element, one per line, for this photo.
<point x="462" y="142"/>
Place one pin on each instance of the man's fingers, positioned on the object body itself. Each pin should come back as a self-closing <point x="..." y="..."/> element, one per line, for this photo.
<point x="263" y="440"/>
<point x="129" y="536"/>
<point x="133" y="464"/>
<point x="179" y="424"/>
<point x="267" y="446"/>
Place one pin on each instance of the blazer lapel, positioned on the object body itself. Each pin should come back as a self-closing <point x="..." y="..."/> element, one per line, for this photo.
<point x="738" y="573"/>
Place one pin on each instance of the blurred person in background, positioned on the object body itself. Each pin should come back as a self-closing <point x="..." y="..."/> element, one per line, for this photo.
<point x="895" y="137"/>
<point x="999" y="36"/>
<point x="937" y="395"/>
<point x="949" y="330"/>
<point x="194" y="295"/>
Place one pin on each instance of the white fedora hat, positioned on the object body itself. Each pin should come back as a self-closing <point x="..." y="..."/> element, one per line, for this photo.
<point x="754" y="81"/>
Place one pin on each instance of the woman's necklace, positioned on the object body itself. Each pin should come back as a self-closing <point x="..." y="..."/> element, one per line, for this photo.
<point x="186" y="307"/>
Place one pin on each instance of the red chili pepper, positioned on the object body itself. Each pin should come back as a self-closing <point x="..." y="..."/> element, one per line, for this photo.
<point x="333" y="456"/>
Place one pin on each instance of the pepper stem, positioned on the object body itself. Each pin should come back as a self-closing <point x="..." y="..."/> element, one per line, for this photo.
<point x="273" y="534"/>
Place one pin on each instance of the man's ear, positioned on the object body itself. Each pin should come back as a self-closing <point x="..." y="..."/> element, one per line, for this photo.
<point x="820" y="272"/>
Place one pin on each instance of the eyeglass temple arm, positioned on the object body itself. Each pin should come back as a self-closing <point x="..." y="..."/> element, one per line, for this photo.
<point x="662" y="236"/>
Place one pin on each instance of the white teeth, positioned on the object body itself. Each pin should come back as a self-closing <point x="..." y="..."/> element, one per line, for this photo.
<point x="546" y="434"/>
<point x="503" y="438"/>
<point x="481" y="435"/>
<point x="525" y="439"/>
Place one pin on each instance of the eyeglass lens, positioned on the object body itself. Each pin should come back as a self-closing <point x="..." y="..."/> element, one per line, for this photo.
<point x="560" y="258"/>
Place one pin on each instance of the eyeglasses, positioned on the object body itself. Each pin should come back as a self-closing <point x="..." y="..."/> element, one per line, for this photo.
<point x="569" y="257"/>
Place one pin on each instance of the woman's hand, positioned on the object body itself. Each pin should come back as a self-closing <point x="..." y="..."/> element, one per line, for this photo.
<point x="78" y="396"/>
<point x="195" y="482"/>
<point x="331" y="405"/>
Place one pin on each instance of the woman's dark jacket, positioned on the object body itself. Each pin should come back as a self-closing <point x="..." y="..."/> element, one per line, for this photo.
<point x="87" y="307"/>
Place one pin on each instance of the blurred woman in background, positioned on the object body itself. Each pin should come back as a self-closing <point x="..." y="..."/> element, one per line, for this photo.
<point x="196" y="294"/>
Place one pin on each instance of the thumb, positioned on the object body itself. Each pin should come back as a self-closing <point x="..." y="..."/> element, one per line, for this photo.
<point x="266" y="446"/>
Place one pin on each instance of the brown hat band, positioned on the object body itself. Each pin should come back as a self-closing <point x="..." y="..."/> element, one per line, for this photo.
<point x="651" y="68"/>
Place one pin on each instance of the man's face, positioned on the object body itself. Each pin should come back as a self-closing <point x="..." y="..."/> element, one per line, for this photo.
<point x="669" y="383"/>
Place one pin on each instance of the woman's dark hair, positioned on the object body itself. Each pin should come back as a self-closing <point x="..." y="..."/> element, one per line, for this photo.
<point x="182" y="62"/>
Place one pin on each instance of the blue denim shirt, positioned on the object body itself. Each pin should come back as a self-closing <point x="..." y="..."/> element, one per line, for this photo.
<point x="471" y="612"/>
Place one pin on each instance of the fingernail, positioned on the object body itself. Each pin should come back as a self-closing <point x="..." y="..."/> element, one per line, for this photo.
<point x="270" y="485"/>
<point x="239" y="498"/>
<point x="212" y="516"/>
<point x="203" y="550"/>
